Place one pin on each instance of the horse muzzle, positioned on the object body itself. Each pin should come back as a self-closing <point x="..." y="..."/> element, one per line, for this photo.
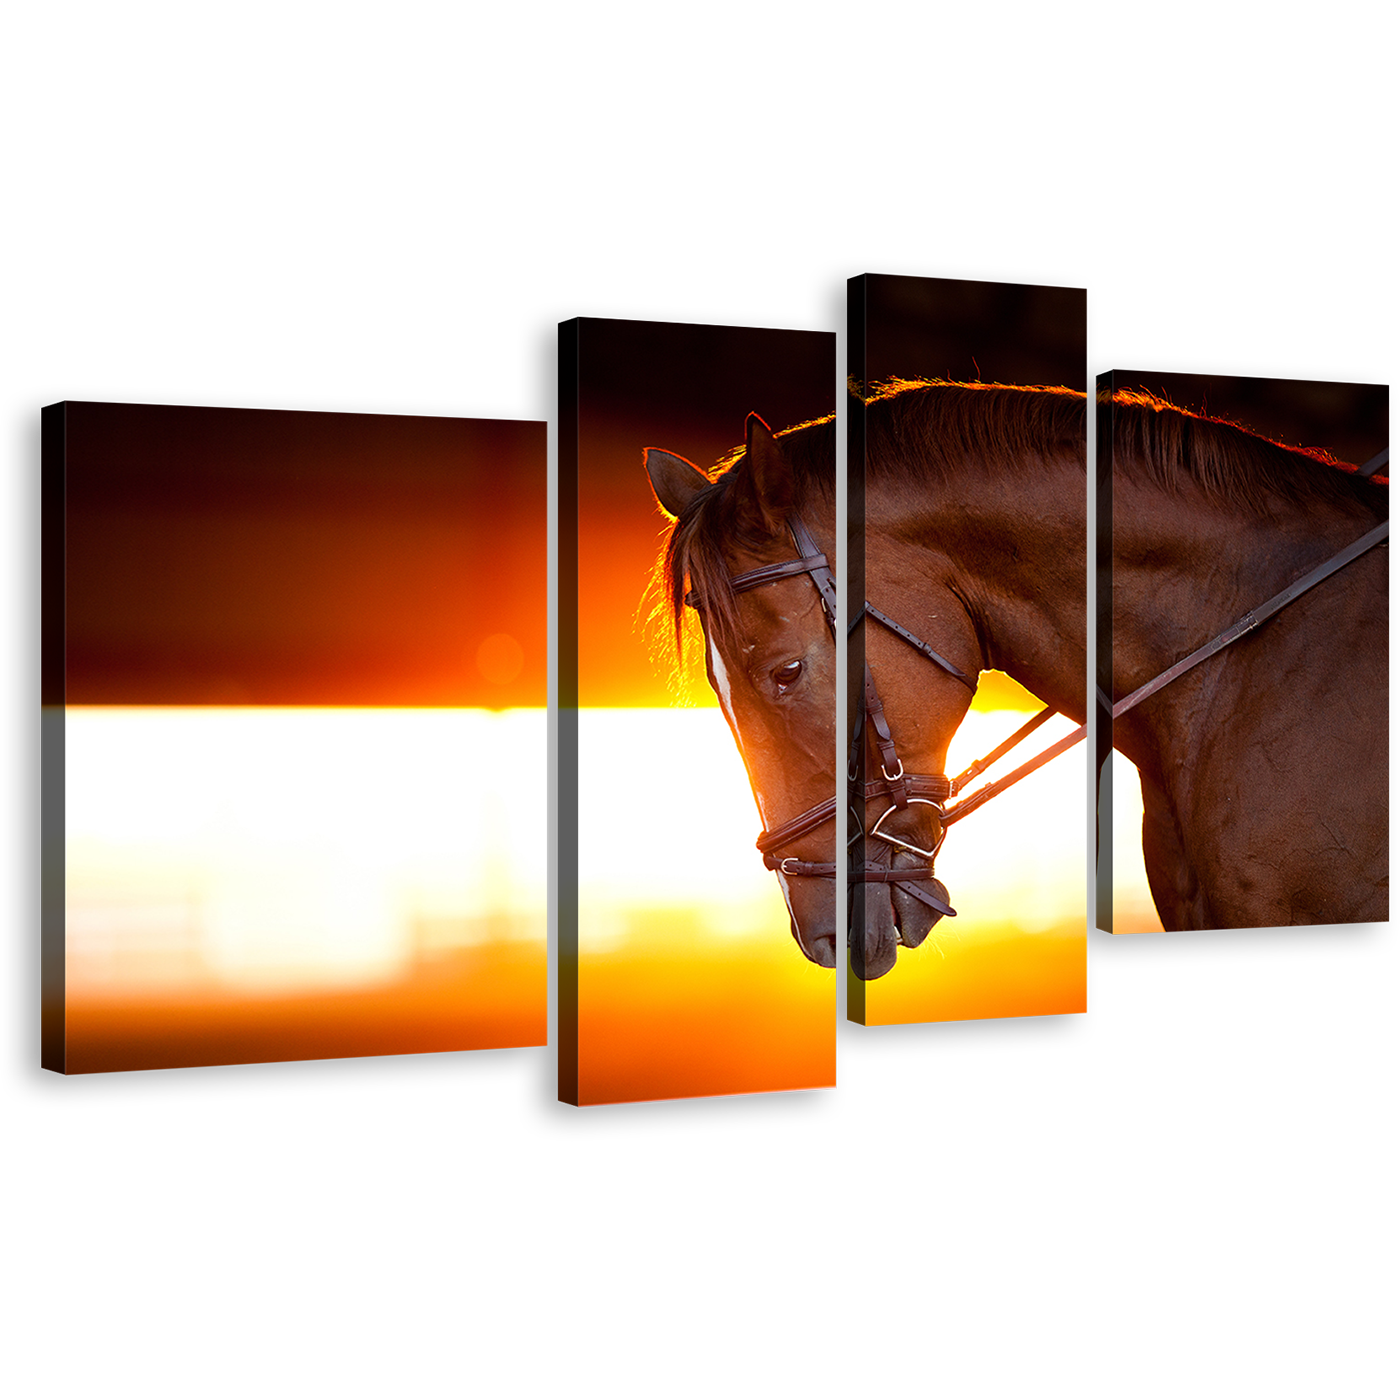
<point x="902" y="899"/>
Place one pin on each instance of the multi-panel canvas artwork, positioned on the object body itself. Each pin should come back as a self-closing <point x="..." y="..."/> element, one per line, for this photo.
<point x="295" y="737"/>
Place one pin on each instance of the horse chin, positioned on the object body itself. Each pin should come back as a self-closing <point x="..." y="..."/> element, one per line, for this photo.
<point x="812" y="918"/>
<point x="819" y="948"/>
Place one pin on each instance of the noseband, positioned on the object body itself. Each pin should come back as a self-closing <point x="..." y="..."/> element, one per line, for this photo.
<point x="900" y="788"/>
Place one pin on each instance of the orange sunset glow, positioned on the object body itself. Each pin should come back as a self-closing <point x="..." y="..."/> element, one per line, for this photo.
<point x="688" y="979"/>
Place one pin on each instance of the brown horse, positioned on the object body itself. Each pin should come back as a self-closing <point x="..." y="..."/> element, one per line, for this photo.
<point x="973" y="501"/>
<point x="1264" y="768"/>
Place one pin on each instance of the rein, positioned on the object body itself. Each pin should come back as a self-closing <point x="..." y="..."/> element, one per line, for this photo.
<point x="1255" y="616"/>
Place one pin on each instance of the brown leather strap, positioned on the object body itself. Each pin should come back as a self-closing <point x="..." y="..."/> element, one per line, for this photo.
<point x="919" y="645"/>
<point x="985" y="794"/>
<point x="884" y="742"/>
<point x="907" y="880"/>
<point x="934" y="786"/>
<point x="798" y="827"/>
<point x="1005" y="747"/>
<point x="812" y="562"/>
<point x="772" y="573"/>
<point x="820" y="570"/>
<point x="939" y="906"/>
<point x="793" y="865"/>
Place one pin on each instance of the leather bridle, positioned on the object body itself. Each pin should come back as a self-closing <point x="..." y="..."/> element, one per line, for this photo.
<point x="899" y="787"/>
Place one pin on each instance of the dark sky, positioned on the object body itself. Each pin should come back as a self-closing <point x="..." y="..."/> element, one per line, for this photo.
<point x="244" y="556"/>
<point x="1352" y="421"/>
<point x="999" y="332"/>
<point x="687" y="389"/>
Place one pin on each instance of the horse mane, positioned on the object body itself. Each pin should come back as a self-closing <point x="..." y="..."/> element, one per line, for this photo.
<point x="1171" y="447"/>
<point x="927" y="429"/>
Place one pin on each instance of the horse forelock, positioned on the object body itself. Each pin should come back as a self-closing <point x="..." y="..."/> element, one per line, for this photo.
<point x="1173" y="446"/>
<point x="696" y="558"/>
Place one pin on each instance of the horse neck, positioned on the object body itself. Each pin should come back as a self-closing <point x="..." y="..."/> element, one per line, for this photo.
<point x="1185" y="567"/>
<point x="1011" y="544"/>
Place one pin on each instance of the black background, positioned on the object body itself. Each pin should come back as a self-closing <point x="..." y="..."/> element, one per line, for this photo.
<point x="483" y="339"/>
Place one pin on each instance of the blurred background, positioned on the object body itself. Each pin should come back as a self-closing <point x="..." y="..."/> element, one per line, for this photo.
<point x="689" y="980"/>
<point x="1014" y="871"/>
<point x="304" y="743"/>
<point x="1352" y="422"/>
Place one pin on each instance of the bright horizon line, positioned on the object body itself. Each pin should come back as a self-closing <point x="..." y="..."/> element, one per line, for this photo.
<point x="237" y="709"/>
<point x="992" y="704"/>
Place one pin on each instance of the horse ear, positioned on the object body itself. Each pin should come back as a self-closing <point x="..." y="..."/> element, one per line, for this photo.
<point x="769" y="474"/>
<point x="675" y="481"/>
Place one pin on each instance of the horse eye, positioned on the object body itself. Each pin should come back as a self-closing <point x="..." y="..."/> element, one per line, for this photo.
<point x="786" y="676"/>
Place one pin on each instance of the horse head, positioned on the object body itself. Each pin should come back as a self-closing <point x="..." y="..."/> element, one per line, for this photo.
<point x="745" y="553"/>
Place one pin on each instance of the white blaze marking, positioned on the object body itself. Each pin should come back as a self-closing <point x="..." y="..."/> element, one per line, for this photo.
<point x="721" y="680"/>
<point x="726" y="704"/>
<point x="721" y="683"/>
